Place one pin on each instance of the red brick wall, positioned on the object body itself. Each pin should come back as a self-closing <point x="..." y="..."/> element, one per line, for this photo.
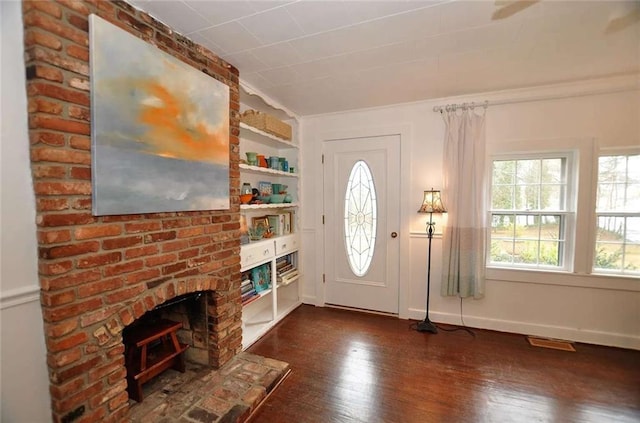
<point x="98" y="274"/>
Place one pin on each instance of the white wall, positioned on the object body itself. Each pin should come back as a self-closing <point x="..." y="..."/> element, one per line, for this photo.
<point x="577" y="306"/>
<point x="24" y="381"/>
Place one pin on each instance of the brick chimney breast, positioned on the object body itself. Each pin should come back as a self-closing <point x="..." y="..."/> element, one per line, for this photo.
<point x="98" y="275"/>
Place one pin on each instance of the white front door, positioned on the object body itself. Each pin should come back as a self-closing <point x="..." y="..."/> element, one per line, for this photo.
<point x="362" y="178"/>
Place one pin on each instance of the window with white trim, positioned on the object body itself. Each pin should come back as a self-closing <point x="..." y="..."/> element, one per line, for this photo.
<point x="531" y="212"/>
<point x="617" y="247"/>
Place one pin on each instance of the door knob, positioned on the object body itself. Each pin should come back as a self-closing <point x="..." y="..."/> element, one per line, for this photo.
<point x="394" y="234"/>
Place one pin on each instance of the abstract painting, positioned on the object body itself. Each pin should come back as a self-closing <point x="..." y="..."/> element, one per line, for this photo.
<point x="160" y="129"/>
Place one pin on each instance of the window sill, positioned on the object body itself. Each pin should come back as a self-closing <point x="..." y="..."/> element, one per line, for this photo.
<point x="559" y="278"/>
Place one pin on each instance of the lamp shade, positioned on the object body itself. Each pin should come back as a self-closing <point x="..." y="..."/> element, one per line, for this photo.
<point x="432" y="203"/>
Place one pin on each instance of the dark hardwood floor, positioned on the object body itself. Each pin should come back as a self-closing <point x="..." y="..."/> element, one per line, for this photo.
<point x="356" y="367"/>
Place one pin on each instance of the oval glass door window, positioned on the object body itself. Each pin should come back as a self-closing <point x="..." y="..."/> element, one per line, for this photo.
<point x="360" y="218"/>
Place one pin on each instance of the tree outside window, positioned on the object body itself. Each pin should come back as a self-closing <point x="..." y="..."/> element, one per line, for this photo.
<point x="529" y="212"/>
<point x="617" y="248"/>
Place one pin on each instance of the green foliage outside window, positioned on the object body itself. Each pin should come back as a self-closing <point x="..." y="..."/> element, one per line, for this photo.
<point x="529" y="211"/>
<point x="618" y="207"/>
<point x="522" y="191"/>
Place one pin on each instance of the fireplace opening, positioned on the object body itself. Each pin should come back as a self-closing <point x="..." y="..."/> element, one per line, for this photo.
<point x="163" y="338"/>
<point x="212" y="380"/>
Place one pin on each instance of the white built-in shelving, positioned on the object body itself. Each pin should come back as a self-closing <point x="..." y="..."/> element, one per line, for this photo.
<point x="249" y="133"/>
<point x="281" y="299"/>
<point x="268" y="206"/>
<point x="265" y="171"/>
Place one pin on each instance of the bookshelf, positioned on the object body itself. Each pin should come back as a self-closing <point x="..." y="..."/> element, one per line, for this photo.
<point x="264" y="310"/>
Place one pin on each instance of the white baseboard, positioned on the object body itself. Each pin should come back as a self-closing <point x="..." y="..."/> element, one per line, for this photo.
<point x="17" y="296"/>
<point x="309" y="299"/>
<point x="558" y="332"/>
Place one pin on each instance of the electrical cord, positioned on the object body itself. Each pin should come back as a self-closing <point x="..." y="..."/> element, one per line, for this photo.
<point x="463" y="327"/>
<point x="414" y="326"/>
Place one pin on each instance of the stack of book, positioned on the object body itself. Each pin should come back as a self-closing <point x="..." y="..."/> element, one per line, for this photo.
<point x="249" y="293"/>
<point x="286" y="272"/>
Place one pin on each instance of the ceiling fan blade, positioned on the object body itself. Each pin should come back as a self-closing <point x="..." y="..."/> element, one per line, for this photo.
<point x="622" y="22"/>
<point x="511" y="8"/>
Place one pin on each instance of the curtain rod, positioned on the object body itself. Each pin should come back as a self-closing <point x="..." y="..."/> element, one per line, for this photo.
<point x="463" y="106"/>
<point x="544" y="97"/>
<point x="472" y="105"/>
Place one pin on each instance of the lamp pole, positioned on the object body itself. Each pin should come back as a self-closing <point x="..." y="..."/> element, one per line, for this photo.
<point x="426" y="325"/>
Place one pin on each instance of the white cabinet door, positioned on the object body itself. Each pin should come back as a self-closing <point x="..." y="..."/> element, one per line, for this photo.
<point x="256" y="254"/>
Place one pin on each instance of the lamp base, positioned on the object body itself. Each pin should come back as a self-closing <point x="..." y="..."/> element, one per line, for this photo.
<point x="426" y="326"/>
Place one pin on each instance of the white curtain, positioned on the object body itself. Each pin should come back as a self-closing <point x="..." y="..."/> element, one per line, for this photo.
<point x="464" y="238"/>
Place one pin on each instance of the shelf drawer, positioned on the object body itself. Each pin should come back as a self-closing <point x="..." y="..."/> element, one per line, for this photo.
<point x="286" y="244"/>
<point x="255" y="254"/>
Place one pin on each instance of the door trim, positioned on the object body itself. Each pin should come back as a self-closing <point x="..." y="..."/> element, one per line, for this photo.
<point x="378" y="287"/>
<point x="405" y="131"/>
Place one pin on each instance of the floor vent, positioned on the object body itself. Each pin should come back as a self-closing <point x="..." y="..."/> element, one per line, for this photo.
<point x="551" y="343"/>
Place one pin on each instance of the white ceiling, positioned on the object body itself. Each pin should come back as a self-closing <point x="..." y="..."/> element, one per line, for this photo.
<point x="325" y="56"/>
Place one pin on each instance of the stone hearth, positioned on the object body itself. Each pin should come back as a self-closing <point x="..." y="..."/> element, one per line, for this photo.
<point x="203" y="395"/>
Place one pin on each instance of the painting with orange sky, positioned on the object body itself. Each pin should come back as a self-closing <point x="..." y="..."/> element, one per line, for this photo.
<point x="160" y="129"/>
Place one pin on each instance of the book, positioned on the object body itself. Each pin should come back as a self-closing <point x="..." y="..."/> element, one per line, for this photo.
<point x="292" y="221"/>
<point x="289" y="274"/>
<point x="287" y="223"/>
<point x="261" y="277"/>
<point x="274" y="224"/>
<point x="277" y="224"/>
<point x="284" y="269"/>
<point x="289" y="270"/>
<point x="290" y="277"/>
<point x="250" y="300"/>
<point x="252" y="292"/>
<point x="282" y="262"/>
<point x="265" y="188"/>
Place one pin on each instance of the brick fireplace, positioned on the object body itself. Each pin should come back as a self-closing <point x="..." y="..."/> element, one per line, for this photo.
<point x="100" y="274"/>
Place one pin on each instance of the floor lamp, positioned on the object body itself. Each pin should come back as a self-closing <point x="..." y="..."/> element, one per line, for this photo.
<point x="430" y="204"/>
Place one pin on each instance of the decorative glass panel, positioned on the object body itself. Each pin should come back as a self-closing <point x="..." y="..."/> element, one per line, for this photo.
<point x="360" y="218"/>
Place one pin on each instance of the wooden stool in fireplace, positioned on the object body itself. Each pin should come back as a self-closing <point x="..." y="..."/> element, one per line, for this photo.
<point x="152" y="349"/>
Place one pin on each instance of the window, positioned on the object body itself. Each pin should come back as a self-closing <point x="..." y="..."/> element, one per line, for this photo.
<point x="617" y="247"/>
<point x="360" y="218"/>
<point x="530" y="212"/>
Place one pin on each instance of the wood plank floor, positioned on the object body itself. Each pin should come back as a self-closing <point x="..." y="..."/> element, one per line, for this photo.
<point x="355" y="367"/>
